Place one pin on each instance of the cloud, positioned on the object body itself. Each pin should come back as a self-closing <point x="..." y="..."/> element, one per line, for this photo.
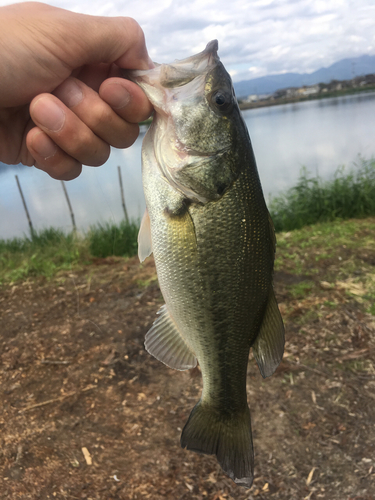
<point x="255" y="38"/>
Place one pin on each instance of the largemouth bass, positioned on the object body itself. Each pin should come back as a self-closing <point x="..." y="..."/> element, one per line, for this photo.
<point x="214" y="245"/>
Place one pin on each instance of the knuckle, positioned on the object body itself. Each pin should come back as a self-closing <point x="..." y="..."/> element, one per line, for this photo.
<point x="101" y="116"/>
<point x="63" y="168"/>
<point x="124" y="136"/>
<point x="89" y="149"/>
<point x="128" y="138"/>
<point x="81" y="143"/>
<point x="113" y="129"/>
<point x="134" y="28"/>
<point x="67" y="172"/>
<point x="99" y="155"/>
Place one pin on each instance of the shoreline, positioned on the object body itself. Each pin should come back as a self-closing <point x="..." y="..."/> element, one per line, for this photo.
<point x="290" y="100"/>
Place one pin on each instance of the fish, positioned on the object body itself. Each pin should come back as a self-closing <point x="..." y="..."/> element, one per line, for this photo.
<point x="213" y="241"/>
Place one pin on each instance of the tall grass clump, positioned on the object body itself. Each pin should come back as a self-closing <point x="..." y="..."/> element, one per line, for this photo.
<point x="44" y="253"/>
<point x="51" y="250"/>
<point x="111" y="239"/>
<point x="312" y="200"/>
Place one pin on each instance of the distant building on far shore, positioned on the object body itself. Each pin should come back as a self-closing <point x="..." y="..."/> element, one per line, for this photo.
<point x="252" y="98"/>
<point x="310" y="90"/>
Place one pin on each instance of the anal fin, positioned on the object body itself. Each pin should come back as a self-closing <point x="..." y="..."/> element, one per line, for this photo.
<point x="166" y="344"/>
<point x="268" y="348"/>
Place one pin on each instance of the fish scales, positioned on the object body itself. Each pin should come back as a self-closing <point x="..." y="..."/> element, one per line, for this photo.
<point x="213" y="242"/>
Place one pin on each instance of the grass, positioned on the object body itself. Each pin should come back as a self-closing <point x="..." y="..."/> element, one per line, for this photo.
<point x="348" y="195"/>
<point x="52" y="250"/>
<point x="112" y="239"/>
<point x="309" y="218"/>
<point x="44" y="254"/>
<point x="301" y="290"/>
<point x="332" y="257"/>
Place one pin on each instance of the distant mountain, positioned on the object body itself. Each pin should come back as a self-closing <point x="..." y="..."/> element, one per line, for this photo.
<point x="341" y="70"/>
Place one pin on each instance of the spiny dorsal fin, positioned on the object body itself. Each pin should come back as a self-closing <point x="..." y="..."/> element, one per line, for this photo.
<point x="268" y="348"/>
<point x="166" y="344"/>
<point x="144" y="238"/>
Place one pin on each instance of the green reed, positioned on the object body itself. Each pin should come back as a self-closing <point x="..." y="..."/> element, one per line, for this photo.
<point x="350" y="194"/>
<point x="112" y="239"/>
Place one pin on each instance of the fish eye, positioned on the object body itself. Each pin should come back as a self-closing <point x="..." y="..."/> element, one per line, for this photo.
<point x="222" y="100"/>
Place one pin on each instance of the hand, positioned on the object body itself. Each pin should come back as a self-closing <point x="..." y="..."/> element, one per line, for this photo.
<point x="62" y="101"/>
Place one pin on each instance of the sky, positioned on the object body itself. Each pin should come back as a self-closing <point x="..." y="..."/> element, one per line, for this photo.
<point x="256" y="37"/>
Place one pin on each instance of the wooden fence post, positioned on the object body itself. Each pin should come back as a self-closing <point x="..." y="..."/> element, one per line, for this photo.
<point x="70" y="206"/>
<point x="122" y="195"/>
<point x="25" y="207"/>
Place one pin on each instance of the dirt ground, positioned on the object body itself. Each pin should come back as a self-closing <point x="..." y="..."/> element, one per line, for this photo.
<point x="86" y="413"/>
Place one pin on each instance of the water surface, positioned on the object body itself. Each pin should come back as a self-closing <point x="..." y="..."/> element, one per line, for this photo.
<point x="320" y="135"/>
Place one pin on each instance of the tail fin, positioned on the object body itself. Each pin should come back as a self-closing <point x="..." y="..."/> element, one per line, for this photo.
<point x="227" y="436"/>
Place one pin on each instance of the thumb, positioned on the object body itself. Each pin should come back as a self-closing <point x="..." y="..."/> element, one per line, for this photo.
<point x="75" y="39"/>
<point x="117" y="40"/>
<point x="46" y="44"/>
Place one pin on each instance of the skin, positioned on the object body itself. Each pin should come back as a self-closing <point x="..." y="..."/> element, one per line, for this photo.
<point x="62" y="101"/>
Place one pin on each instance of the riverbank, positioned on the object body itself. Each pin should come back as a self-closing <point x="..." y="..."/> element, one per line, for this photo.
<point x="350" y="194"/>
<point x="290" y="100"/>
<point x="51" y="250"/>
<point x="85" y="412"/>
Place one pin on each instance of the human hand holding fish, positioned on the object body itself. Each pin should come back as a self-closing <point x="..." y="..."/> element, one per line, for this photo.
<point x="214" y="243"/>
<point x="62" y="101"/>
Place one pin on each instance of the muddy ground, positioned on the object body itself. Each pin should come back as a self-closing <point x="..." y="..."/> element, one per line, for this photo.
<point x="86" y="413"/>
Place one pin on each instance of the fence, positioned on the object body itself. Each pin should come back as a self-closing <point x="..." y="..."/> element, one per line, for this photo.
<point x="71" y="212"/>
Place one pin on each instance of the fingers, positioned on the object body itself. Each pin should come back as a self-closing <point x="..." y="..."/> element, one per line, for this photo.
<point x="97" y="115"/>
<point x="79" y="125"/>
<point x="126" y="98"/>
<point x="117" y="39"/>
<point x="98" y="39"/>
<point x="66" y="130"/>
<point x="50" y="158"/>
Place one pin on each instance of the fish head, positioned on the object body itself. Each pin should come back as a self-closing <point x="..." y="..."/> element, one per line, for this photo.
<point x="197" y="130"/>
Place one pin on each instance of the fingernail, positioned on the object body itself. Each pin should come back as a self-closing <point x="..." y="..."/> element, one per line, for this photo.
<point x="69" y="93"/>
<point x="48" y="114"/>
<point x="43" y="145"/>
<point x="119" y="97"/>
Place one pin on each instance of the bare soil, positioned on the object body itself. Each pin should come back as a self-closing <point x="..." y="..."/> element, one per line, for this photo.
<point x="86" y="413"/>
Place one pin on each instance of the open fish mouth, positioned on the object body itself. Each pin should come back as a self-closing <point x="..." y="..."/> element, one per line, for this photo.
<point x="182" y="72"/>
<point x="178" y="76"/>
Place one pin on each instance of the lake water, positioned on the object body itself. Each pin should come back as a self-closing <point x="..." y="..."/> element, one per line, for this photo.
<point x="320" y="135"/>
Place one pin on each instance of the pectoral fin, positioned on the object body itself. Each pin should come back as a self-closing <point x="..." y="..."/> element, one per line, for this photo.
<point x="144" y="238"/>
<point x="166" y="344"/>
<point x="268" y="347"/>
